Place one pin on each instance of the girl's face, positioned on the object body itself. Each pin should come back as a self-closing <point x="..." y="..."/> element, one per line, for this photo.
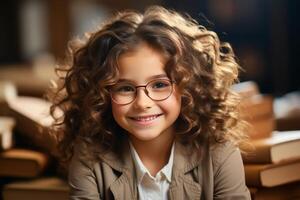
<point x="145" y="119"/>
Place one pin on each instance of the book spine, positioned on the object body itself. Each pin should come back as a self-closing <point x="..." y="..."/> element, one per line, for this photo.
<point x="260" y="155"/>
<point x="22" y="163"/>
<point x="252" y="175"/>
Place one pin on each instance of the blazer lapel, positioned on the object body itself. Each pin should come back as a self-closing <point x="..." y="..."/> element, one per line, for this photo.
<point x="183" y="186"/>
<point x="124" y="187"/>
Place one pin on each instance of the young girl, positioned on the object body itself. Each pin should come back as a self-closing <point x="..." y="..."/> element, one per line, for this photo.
<point x="148" y="112"/>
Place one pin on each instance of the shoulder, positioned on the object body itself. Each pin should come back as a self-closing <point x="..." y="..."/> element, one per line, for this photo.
<point x="223" y="152"/>
<point x="83" y="177"/>
<point x="228" y="172"/>
<point x="80" y="162"/>
<point x="101" y="161"/>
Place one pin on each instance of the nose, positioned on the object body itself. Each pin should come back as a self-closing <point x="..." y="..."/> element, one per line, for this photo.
<point x="142" y="100"/>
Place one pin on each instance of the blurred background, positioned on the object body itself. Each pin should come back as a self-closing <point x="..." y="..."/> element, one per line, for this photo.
<point x="33" y="39"/>
<point x="263" y="34"/>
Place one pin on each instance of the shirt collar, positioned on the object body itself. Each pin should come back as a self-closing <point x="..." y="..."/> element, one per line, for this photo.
<point x="141" y="170"/>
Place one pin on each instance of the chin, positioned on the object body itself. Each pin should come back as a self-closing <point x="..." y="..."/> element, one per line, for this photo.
<point x="145" y="137"/>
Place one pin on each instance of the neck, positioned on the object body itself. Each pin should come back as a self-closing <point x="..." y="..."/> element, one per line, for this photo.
<point x="154" y="154"/>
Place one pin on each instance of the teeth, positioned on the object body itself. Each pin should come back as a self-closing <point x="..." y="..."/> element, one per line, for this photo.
<point x="145" y="119"/>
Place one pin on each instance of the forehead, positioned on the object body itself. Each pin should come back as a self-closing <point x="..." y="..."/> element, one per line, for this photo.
<point x="141" y="64"/>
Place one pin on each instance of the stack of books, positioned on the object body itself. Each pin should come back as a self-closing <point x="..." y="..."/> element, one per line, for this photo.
<point x="273" y="169"/>
<point x="29" y="165"/>
<point x="32" y="115"/>
<point x="256" y="109"/>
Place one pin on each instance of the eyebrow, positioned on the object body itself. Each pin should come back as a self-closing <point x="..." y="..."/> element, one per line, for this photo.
<point x="148" y="79"/>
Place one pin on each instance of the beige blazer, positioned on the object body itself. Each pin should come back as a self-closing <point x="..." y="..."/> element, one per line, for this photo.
<point x="216" y="173"/>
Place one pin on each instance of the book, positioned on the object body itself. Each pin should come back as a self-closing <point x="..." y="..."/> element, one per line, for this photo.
<point x="22" y="163"/>
<point x="282" y="145"/>
<point x="45" y="188"/>
<point x="287" y="111"/>
<point x="257" y="106"/>
<point x="261" y="128"/>
<point x="8" y="91"/>
<point x="257" y="110"/>
<point x="283" y="192"/>
<point x="33" y="121"/>
<point x="270" y="175"/>
<point x="6" y="132"/>
<point x="290" y="122"/>
<point x="27" y="79"/>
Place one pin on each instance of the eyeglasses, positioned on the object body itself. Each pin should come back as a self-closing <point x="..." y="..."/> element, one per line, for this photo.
<point x="125" y="93"/>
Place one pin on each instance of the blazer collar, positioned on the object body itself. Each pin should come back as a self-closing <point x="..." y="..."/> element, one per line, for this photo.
<point x="186" y="158"/>
<point x="122" y="162"/>
<point x="124" y="187"/>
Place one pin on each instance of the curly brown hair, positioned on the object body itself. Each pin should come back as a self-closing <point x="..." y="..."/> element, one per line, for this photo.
<point x="202" y="67"/>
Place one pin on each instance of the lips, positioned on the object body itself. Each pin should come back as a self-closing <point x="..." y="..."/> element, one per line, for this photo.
<point x="146" y="118"/>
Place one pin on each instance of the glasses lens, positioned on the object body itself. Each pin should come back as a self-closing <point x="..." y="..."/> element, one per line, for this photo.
<point x="159" y="89"/>
<point x="123" y="93"/>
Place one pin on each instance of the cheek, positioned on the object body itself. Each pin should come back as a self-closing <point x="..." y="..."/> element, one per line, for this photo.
<point x="175" y="99"/>
<point x="172" y="105"/>
<point x="118" y="111"/>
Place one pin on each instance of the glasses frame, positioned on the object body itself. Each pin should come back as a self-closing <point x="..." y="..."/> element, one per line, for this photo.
<point x="146" y="91"/>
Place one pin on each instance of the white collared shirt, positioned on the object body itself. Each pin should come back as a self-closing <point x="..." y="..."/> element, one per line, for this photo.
<point x="149" y="187"/>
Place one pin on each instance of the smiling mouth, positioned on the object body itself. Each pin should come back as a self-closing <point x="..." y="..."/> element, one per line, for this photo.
<point x="145" y="118"/>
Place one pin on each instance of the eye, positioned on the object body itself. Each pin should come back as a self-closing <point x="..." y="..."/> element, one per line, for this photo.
<point x="124" y="89"/>
<point x="160" y="84"/>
